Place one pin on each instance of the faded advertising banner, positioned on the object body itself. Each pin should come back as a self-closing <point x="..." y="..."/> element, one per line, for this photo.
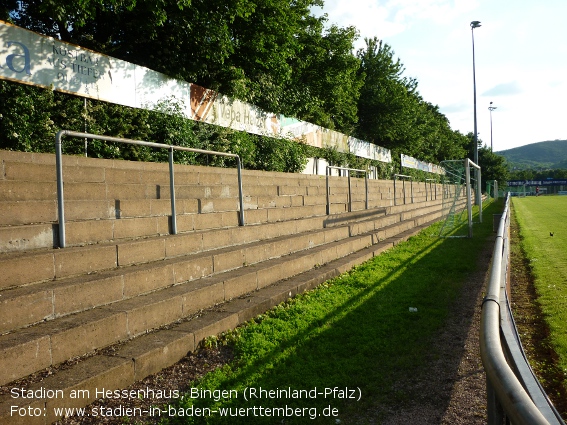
<point x="30" y="58"/>
<point x="409" y="162"/>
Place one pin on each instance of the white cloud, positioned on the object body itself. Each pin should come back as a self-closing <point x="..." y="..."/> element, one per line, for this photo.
<point x="504" y="89"/>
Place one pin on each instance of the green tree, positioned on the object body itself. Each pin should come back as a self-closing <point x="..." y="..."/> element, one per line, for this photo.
<point x="329" y="75"/>
<point x="272" y="53"/>
<point x="60" y="18"/>
<point x="493" y="167"/>
<point x="266" y="44"/>
<point x="384" y="97"/>
<point x="393" y="114"/>
<point x="26" y="122"/>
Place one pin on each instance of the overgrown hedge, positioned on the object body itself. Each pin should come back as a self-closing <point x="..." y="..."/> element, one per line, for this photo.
<point x="30" y="117"/>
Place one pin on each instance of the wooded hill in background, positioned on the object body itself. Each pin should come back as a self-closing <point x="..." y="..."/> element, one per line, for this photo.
<point x="547" y="155"/>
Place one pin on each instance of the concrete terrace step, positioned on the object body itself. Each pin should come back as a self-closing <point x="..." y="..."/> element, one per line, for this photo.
<point x="148" y="353"/>
<point x="126" y="298"/>
<point x="57" y="340"/>
<point x="31" y="224"/>
<point x="83" y="232"/>
<point x="52" y="264"/>
<point x="51" y="299"/>
<point x="40" y="168"/>
<point x="23" y="190"/>
<point x="61" y="287"/>
<point x="84" y="259"/>
<point x="33" y="211"/>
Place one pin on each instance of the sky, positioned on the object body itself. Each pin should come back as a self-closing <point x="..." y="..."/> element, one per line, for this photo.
<point x="520" y="55"/>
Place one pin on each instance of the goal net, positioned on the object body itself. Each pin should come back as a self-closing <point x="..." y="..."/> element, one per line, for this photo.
<point x="458" y="197"/>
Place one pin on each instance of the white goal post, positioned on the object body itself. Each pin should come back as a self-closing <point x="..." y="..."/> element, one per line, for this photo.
<point x="457" y="179"/>
<point x="468" y="164"/>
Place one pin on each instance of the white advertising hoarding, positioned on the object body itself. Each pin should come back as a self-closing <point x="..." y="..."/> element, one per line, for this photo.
<point x="30" y="58"/>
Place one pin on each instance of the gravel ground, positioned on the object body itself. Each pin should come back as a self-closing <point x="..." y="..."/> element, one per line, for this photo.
<point x="452" y="389"/>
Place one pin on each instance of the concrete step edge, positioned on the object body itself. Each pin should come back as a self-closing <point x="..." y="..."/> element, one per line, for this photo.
<point x="49" y="262"/>
<point x="43" y="303"/>
<point x="267" y="273"/>
<point x="24" y="306"/>
<point x="147" y="354"/>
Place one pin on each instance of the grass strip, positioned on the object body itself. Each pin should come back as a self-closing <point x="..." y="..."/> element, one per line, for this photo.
<point x="544" y="241"/>
<point x="353" y="336"/>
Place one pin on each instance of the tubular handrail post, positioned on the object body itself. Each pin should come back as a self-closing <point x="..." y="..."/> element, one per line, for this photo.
<point x="349" y="194"/>
<point x="59" y="171"/>
<point x="327" y="191"/>
<point x="240" y="197"/>
<point x="60" y="199"/>
<point x="395" y="190"/>
<point x="430" y="191"/>
<point x="366" y="190"/>
<point x="172" y="193"/>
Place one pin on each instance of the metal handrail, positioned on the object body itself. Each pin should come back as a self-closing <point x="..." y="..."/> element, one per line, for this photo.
<point x="430" y="181"/>
<point x="171" y="148"/>
<point x="505" y="393"/>
<point x="329" y="167"/>
<point x="403" y="186"/>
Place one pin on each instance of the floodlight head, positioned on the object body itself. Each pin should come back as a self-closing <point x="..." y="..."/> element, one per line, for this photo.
<point x="475" y="24"/>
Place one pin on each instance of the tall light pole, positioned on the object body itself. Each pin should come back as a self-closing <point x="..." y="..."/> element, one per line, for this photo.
<point x="475" y="24"/>
<point x="491" y="108"/>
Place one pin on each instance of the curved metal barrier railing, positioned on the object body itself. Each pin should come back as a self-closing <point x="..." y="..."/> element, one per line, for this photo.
<point x="513" y="392"/>
<point x="171" y="148"/>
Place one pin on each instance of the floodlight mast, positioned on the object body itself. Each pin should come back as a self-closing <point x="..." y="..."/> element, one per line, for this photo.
<point x="491" y="108"/>
<point x="475" y="24"/>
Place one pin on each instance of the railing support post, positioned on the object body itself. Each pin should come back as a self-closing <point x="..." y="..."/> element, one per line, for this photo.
<point x="240" y="194"/>
<point x="366" y="190"/>
<point x="494" y="412"/>
<point x="327" y="171"/>
<point x="349" y="195"/>
<point x="395" y="190"/>
<point x="468" y="195"/>
<point x="403" y="186"/>
<point x="172" y="193"/>
<point x="60" y="201"/>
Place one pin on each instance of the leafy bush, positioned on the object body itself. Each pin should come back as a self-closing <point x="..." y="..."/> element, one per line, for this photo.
<point x="30" y="117"/>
